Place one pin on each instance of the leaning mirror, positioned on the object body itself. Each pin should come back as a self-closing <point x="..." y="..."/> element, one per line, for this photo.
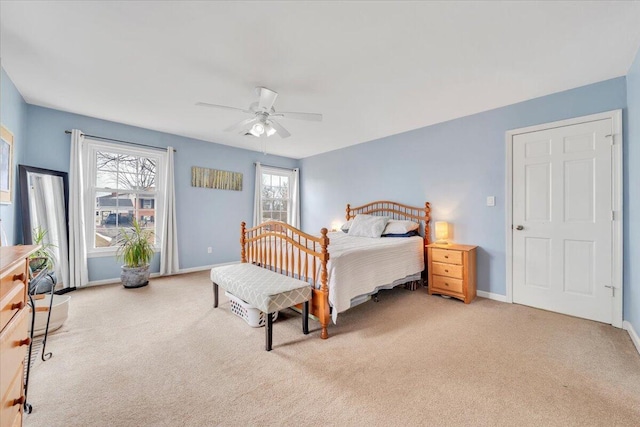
<point x="44" y="198"/>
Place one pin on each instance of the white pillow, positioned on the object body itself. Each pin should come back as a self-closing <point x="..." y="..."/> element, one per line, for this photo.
<point x="395" y="226"/>
<point x="368" y="226"/>
<point x="345" y="227"/>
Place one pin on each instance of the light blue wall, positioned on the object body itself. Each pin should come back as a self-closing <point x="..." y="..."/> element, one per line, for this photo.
<point x="454" y="165"/>
<point x="205" y="217"/>
<point x="13" y="115"/>
<point x="632" y="199"/>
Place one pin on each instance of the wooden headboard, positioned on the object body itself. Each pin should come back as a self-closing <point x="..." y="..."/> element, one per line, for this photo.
<point x="398" y="211"/>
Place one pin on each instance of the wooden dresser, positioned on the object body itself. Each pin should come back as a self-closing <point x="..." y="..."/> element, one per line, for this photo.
<point x="451" y="271"/>
<point x="14" y="336"/>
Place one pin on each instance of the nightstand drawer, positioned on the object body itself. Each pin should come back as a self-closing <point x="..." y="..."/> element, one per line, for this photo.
<point x="449" y="270"/>
<point x="446" y="256"/>
<point x="447" y="283"/>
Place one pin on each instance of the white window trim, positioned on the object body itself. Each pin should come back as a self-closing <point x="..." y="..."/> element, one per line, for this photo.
<point x="89" y="179"/>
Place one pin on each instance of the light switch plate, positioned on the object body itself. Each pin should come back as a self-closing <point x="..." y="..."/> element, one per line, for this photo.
<point x="491" y="201"/>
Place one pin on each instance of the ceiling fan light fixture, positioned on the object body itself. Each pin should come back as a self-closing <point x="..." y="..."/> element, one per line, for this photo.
<point x="270" y="130"/>
<point x="257" y="130"/>
<point x="260" y="124"/>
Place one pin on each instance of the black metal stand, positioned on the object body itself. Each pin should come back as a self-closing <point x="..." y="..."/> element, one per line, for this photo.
<point x="27" y="406"/>
<point x="45" y="356"/>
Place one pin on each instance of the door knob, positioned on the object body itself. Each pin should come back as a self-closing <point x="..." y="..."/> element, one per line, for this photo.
<point x="519" y="227"/>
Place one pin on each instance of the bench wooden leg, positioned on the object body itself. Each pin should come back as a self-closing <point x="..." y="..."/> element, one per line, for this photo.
<point x="269" y="331"/>
<point x="305" y="317"/>
<point x="215" y="295"/>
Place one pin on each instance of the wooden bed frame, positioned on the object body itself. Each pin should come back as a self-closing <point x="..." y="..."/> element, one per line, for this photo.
<point x="397" y="211"/>
<point x="284" y="249"/>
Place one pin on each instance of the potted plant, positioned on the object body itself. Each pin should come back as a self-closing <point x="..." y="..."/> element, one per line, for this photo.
<point x="135" y="249"/>
<point x="43" y="257"/>
<point x="41" y="264"/>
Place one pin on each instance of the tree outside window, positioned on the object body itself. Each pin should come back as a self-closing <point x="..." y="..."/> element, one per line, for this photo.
<point x="125" y="188"/>
<point x="276" y="200"/>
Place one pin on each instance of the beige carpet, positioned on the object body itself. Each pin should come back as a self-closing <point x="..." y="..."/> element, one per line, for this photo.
<point x="162" y="356"/>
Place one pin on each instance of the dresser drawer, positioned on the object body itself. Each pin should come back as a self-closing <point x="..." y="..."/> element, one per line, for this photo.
<point x="447" y="284"/>
<point x="12" y="401"/>
<point x="16" y="273"/>
<point x="9" y="279"/>
<point x="14" y="342"/>
<point x="11" y="303"/>
<point x="448" y="270"/>
<point x="446" y="256"/>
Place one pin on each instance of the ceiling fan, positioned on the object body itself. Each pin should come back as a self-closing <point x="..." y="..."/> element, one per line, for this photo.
<point x="263" y="121"/>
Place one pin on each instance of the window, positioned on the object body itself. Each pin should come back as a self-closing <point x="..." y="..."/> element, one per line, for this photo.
<point x="123" y="185"/>
<point x="277" y="195"/>
<point x="276" y="202"/>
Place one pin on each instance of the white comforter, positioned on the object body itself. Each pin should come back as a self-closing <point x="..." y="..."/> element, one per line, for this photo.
<point x="359" y="265"/>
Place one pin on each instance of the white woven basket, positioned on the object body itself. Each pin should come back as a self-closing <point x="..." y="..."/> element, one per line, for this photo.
<point x="254" y="317"/>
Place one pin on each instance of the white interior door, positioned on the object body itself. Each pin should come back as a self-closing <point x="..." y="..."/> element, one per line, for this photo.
<point x="563" y="198"/>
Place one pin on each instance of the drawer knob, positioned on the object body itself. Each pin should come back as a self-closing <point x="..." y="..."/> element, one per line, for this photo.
<point x="18" y="401"/>
<point x="446" y="284"/>
<point x="446" y="256"/>
<point x="17" y="305"/>
<point x="25" y="341"/>
<point x="446" y="271"/>
<point x="18" y="277"/>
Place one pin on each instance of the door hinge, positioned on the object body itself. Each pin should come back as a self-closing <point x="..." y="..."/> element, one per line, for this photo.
<point x="613" y="289"/>
<point x="613" y="215"/>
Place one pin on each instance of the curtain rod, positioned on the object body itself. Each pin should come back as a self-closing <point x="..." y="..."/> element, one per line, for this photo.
<point x="274" y="167"/>
<point x="124" y="142"/>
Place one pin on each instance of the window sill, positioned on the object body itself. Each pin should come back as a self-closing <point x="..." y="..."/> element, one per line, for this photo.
<point x="92" y="253"/>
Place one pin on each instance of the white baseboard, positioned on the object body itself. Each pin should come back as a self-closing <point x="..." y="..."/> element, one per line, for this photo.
<point x="153" y="275"/>
<point x="102" y="282"/>
<point x="204" y="268"/>
<point x="632" y="333"/>
<point x="196" y="269"/>
<point x="491" y="295"/>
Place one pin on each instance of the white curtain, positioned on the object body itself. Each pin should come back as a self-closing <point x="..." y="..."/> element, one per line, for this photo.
<point x="294" y="213"/>
<point x="169" y="255"/>
<point x="257" y="200"/>
<point x="78" y="274"/>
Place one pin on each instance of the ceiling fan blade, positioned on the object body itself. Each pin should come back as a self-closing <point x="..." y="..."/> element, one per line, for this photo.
<point x="281" y="131"/>
<point x="314" y="117"/>
<point x="243" y="125"/>
<point x="267" y="98"/>
<point x="225" y="107"/>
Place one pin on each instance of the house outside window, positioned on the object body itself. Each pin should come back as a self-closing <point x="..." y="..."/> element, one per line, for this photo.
<point x="122" y="185"/>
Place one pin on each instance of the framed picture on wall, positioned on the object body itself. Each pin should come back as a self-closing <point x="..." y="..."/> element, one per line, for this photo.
<point x="6" y="165"/>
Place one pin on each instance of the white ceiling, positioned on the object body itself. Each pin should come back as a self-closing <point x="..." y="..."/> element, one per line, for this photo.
<point x="372" y="68"/>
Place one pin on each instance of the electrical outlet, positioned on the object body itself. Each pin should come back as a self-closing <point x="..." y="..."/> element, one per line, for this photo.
<point x="491" y="201"/>
<point x="209" y="250"/>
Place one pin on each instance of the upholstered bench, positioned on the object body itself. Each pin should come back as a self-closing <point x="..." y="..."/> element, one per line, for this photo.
<point x="264" y="289"/>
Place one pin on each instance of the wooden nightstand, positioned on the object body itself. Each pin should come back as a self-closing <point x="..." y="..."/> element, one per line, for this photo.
<point x="451" y="270"/>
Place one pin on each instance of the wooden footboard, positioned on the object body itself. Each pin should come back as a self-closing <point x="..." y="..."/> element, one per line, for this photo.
<point x="286" y="250"/>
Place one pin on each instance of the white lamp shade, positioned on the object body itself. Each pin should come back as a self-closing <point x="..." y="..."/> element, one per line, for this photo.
<point x="442" y="231"/>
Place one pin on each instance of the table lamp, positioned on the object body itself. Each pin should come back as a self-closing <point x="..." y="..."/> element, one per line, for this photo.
<point x="442" y="232"/>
